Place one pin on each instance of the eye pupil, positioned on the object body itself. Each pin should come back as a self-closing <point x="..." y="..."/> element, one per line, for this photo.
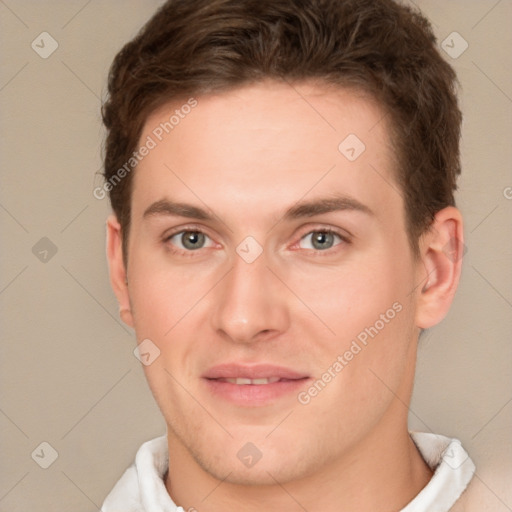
<point x="321" y="239"/>
<point x="192" y="239"/>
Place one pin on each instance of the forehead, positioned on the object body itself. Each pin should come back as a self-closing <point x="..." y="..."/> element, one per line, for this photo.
<point x="267" y="144"/>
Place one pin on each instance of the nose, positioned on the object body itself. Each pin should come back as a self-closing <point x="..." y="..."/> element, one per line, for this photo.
<point x="250" y="303"/>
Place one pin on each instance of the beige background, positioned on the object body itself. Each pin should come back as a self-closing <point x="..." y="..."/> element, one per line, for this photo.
<point x="69" y="377"/>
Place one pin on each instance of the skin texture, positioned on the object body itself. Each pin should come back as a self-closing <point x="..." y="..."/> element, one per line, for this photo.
<point x="246" y="156"/>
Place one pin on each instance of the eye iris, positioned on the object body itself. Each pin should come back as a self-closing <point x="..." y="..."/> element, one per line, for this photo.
<point x="192" y="239"/>
<point x="321" y="239"/>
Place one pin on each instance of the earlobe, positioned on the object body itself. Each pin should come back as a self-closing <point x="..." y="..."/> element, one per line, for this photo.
<point x="117" y="270"/>
<point x="442" y="249"/>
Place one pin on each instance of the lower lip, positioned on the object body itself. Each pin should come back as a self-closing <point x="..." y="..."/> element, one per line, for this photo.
<point x="254" y="394"/>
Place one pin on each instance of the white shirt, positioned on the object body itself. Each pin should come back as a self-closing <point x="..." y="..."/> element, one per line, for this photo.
<point x="142" y="488"/>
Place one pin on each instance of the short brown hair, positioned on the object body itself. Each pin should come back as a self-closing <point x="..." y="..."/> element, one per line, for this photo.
<point x="192" y="47"/>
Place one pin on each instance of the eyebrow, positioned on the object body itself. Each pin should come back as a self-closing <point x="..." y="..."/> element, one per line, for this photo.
<point x="297" y="211"/>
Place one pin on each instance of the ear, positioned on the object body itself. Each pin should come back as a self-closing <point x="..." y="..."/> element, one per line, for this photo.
<point x="117" y="269"/>
<point x="441" y="252"/>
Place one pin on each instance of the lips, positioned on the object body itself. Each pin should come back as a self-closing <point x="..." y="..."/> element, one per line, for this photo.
<point x="242" y="381"/>
<point x="256" y="385"/>
<point x="259" y="374"/>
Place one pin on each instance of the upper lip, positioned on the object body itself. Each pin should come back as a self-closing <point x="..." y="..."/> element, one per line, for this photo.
<point x="252" y="371"/>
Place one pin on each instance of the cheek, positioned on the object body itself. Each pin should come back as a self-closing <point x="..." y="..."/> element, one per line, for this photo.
<point x="163" y="299"/>
<point x="162" y="294"/>
<point x="369" y="311"/>
<point x="166" y="301"/>
<point x="353" y="296"/>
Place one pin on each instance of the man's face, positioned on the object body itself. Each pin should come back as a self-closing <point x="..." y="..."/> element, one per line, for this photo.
<point x="317" y="306"/>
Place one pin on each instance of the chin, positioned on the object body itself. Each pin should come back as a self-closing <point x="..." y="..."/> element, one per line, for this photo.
<point x="258" y="475"/>
<point x="277" y="464"/>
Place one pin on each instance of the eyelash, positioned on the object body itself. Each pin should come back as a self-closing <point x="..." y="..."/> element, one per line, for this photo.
<point x="193" y="229"/>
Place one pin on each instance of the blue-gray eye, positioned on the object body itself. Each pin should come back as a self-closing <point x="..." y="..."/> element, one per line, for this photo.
<point x="189" y="240"/>
<point x="321" y="240"/>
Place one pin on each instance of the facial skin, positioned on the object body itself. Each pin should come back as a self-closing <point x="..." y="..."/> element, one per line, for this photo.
<point x="246" y="157"/>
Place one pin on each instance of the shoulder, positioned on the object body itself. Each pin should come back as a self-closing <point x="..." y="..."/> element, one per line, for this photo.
<point x="142" y="483"/>
<point x="125" y="493"/>
<point x="479" y="497"/>
<point x="452" y="472"/>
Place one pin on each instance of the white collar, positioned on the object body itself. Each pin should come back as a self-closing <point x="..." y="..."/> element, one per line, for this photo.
<point x="142" y="489"/>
